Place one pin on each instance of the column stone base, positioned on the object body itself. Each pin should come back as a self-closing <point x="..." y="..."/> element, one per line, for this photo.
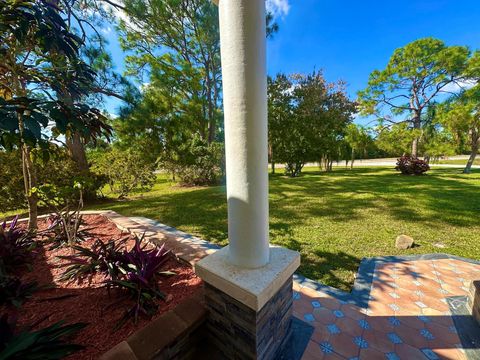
<point x="250" y="310"/>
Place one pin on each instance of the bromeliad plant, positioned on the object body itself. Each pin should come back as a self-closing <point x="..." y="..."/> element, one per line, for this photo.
<point x="106" y="258"/>
<point x="141" y="280"/>
<point x="48" y="343"/>
<point x="15" y="246"/>
<point x="136" y="272"/>
<point x="13" y="292"/>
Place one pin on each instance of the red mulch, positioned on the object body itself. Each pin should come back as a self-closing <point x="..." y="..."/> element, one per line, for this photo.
<point x="90" y="299"/>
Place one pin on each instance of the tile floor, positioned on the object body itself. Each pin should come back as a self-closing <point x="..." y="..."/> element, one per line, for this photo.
<point x="407" y="317"/>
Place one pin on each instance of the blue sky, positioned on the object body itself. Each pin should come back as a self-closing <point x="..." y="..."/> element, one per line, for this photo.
<point x="349" y="39"/>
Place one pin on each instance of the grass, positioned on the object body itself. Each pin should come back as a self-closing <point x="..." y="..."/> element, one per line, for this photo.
<point x="336" y="219"/>
<point x="458" y="162"/>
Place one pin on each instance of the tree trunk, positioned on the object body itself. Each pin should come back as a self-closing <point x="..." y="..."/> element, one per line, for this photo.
<point x="473" y="155"/>
<point x="29" y="178"/>
<point x="30" y="182"/>
<point x="417" y="126"/>
<point x="353" y="159"/>
<point x="77" y="152"/>
<point x="273" y="167"/>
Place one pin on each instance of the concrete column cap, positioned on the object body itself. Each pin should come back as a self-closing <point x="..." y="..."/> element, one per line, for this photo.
<point x="252" y="287"/>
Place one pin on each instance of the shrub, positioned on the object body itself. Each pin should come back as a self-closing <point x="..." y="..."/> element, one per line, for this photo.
<point x="12" y="188"/>
<point x="64" y="224"/>
<point x="135" y="272"/>
<point x="47" y="343"/>
<point x="410" y="165"/>
<point x="13" y="291"/>
<point x="15" y="246"/>
<point x="125" y="170"/>
<point x="141" y="281"/>
<point x="59" y="171"/>
<point x="195" y="162"/>
<point x="106" y="258"/>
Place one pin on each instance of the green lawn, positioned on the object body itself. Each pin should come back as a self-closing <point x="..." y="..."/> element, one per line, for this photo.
<point x="458" y="162"/>
<point x="336" y="219"/>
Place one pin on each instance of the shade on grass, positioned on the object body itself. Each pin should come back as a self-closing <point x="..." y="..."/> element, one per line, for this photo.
<point x="336" y="219"/>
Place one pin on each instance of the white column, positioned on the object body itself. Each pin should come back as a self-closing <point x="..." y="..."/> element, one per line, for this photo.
<point x="243" y="52"/>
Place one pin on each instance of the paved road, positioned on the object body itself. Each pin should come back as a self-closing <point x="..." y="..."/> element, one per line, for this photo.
<point x="392" y="162"/>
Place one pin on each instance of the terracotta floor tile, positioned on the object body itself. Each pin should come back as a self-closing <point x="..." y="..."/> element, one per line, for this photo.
<point x="349" y="325"/>
<point x="371" y="354"/>
<point x="444" y="334"/>
<point x="413" y="322"/>
<point x="407" y="352"/>
<point x="380" y="323"/>
<point x="445" y="321"/>
<point x="324" y="316"/>
<point x="344" y="345"/>
<point x="432" y="312"/>
<point x="378" y="340"/>
<point x="353" y="311"/>
<point x="380" y="309"/>
<point x="330" y="303"/>
<point x="312" y="352"/>
<point x="412" y="337"/>
<point x="320" y="333"/>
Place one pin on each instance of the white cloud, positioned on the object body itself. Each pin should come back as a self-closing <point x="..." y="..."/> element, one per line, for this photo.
<point x="279" y="8"/>
<point x="458" y="86"/>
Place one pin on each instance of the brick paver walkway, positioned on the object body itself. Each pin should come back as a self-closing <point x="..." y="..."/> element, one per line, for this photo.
<point x="408" y="314"/>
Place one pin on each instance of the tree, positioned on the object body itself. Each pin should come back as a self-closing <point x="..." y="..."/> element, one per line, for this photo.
<point x="325" y="111"/>
<point x="416" y="75"/>
<point x="280" y="109"/>
<point x="358" y="139"/>
<point x="38" y="57"/>
<point x="397" y="139"/>
<point x="307" y="120"/>
<point x="461" y="117"/>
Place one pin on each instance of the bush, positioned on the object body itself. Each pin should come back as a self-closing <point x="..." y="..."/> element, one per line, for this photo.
<point x="12" y="189"/>
<point x="59" y="170"/>
<point x="46" y="343"/>
<point x="410" y="165"/>
<point x="15" y="246"/>
<point x="195" y="162"/>
<point x="125" y="170"/>
<point x="135" y="272"/>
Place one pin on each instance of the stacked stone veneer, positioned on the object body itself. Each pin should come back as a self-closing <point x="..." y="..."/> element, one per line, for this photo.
<point x="474" y="300"/>
<point x="243" y="333"/>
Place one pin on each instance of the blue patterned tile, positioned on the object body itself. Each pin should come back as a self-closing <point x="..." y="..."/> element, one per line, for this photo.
<point x="452" y="329"/>
<point x="360" y="342"/>
<point x="309" y="317"/>
<point x="326" y="347"/>
<point x="394" y="321"/>
<point x="394" y="307"/>
<point x="338" y="314"/>
<point x="364" y="324"/>
<point x="316" y="304"/>
<point x="392" y="356"/>
<point x="394" y="338"/>
<point x="424" y="318"/>
<point x="420" y="304"/>
<point x="333" y="329"/>
<point x="354" y="358"/>
<point x="427" y="334"/>
<point x="296" y="295"/>
<point x="429" y="354"/>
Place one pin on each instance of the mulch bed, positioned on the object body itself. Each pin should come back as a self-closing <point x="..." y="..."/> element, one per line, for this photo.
<point x="87" y="301"/>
